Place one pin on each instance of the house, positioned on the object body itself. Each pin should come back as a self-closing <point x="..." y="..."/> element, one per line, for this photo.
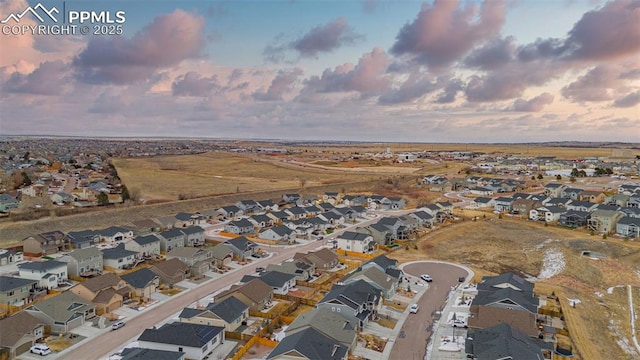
<point x="291" y="198"/>
<point x="145" y="246"/>
<point x="356" y="242"/>
<point x="323" y="259"/>
<point x="280" y="282"/>
<point x="107" y="292"/>
<point x="137" y="353"/>
<point x="49" y="274"/>
<point x="261" y="220"/>
<point x="199" y="260"/>
<point x="302" y="270"/>
<point x="255" y="294"/>
<point x="308" y="344"/>
<point x="171" y="239"/>
<point x="604" y="221"/>
<point x="563" y="202"/>
<point x="196" y="341"/>
<point x="581" y="206"/>
<point x="633" y="212"/>
<point x="248" y="206"/>
<point x="354" y="200"/>
<point x="143" y="282"/>
<point x="523" y="206"/>
<point x="278" y="216"/>
<point x="171" y="271"/>
<point x="230" y="211"/>
<point x="278" y="233"/>
<point x="393" y="203"/>
<point x="446" y="206"/>
<point x="332" y="218"/>
<point x="397" y="229"/>
<point x="144" y="227"/>
<point x="358" y="301"/>
<point x="84" y="262"/>
<point x="592" y="196"/>
<point x="193" y="235"/>
<point x="221" y="255"/>
<point x="184" y="220"/>
<point x="506" y="298"/>
<point x="328" y="323"/>
<point x="63" y="313"/>
<point x="166" y="222"/>
<point x="574" y="218"/>
<point x="268" y="205"/>
<point x="618" y="199"/>
<point x="384" y="282"/>
<point x="379" y="232"/>
<point x="554" y="190"/>
<point x="16" y="291"/>
<point x="115" y="233"/>
<point x="628" y="189"/>
<point x="296" y="212"/>
<point x="242" y="247"/>
<point x="8" y="202"/>
<point x="503" y="204"/>
<point x="229" y="313"/>
<point x="505" y="342"/>
<point x="479" y="190"/>
<point x="628" y="226"/>
<point x="46" y="243"/>
<point x="82" y="239"/>
<point x="482" y="202"/>
<point x="240" y="227"/>
<point x="331" y="197"/>
<point x="382" y="262"/>
<point x="8" y="256"/>
<point x="118" y="257"/>
<point x="19" y="333"/>
<point x="553" y="213"/>
<point x="571" y="193"/>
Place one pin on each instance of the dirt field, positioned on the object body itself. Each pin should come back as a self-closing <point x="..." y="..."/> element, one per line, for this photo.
<point x="494" y="245"/>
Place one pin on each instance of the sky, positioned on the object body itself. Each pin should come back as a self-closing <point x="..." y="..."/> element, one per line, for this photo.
<point x="355" y="70"/>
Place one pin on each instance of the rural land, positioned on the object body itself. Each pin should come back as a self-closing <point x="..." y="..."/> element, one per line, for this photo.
<point x="317" y="250"/>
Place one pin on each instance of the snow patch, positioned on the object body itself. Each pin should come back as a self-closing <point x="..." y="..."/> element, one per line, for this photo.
<point x="574" y="302"/>
<point x="552" y="264"/>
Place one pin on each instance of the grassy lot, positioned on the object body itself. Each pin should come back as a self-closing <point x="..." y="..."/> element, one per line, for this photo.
<point x="190" y="176"/>
<point x="494" y="245"/>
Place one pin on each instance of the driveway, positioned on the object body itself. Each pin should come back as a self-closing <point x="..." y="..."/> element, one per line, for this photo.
<point x="412" y="340"/>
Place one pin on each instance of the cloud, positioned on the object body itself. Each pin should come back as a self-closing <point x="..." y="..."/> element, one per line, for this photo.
<point x="444" y="32"/>
<point x="321" y="39"/>
<point x="369" y="6"/>
<point x="50" y="78"/>
<point x="598" y="84"/>
<point x="192" y="84"/>
<point x="413" y="88"/>
<point x="535" y="104"/>
<point x="494" y="54"/>
<point x="607" y="33"/>
<point x="450" y="91"/>
<point x="367" y="77"/>
<point x="167" y="41"/>
<point x="629" y="100"/>
<point x="281" y="84"/>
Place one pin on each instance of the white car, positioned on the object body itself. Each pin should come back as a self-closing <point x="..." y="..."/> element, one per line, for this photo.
<point x="117" y="325"/>
<point x="413" y="309"/>
<point x="459" y="323"/>
<point x="426" y="278"/>
<point x="40" y="349"/>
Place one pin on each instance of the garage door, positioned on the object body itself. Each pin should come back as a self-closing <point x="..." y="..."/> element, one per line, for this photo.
<point x="23" y="348"/>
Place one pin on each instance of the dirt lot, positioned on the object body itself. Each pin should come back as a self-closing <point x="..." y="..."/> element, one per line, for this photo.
<point x="494" y="245"/>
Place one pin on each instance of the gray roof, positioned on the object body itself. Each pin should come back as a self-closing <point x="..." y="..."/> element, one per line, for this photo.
<point x="183" y="216"/>
<point x="350" y="235"/>
<point x="148" y="239"/>
<point x="242" y="223"/>
<point x="489" y="282"/>
<point x="150" y="354"/>
<point x="275" y="278"/>
<point x="81" y="254"/>
<point x="9" y="283"/>
<point x="192" y="230"/>
<point x="482" y="200"/>
<point x="282" y="230"/>
<point x="353" y="294"/>
<point x="329" y="323"/>
<point x="504" y="296"/>
<point x="384" y="262"/>
<point x="63" y="307"/>
<point x="42" y="266"/>
<point x="184" y="334"/>
<point x="503" y="342"/>
<point x="171" y="233"/>
<point x="228" y="309"/>
<point x="112" y="230"/>
<point x="312" y="344"/>
<point x="84" y="235"/>
<point x="577" y="213"/>
<point x="117" y="252"/>
<point x="628" y="220"/>
<point x="140" y="278"/>
<point x="241" y="243"/>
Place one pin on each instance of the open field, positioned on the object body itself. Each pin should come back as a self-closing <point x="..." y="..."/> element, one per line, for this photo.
<point x="496" y="245"/>
<point x="190" y="176"/>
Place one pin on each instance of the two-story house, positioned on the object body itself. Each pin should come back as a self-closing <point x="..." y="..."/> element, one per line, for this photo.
<point x="49" y="274"/>
<point x="118" y="257"/>
<point x="145" y="246"/>
<point x="84" y="262"/>
<point x="16" y="291"/>
<point x="229" y="313"/>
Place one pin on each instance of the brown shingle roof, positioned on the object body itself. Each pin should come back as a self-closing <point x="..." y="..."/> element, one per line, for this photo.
<point x="16" y="326"/>
<point x="487" y="316"/>
<point x="171" y="267"/>
<point x="101" y="282"/>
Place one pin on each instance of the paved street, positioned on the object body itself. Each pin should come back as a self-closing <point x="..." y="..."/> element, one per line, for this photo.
<point x="412" y="340"/>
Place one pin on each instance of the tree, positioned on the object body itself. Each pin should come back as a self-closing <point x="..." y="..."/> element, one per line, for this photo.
<point x="540" y="177"/>
<point x="125" y="193"/>
<point x="558" y="177"/>
<point x="103" y="199"/>
<point x="533" y="177"/>
<point x="572" y="179"/>
<point x="26" y="181"/>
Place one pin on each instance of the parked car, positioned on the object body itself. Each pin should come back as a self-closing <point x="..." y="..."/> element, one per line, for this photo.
<point x="259" y="269"/>
<point x="40" y="349"/>
<point x="413" y="309"/>
<point x="117" y="325"/>
<point x="461" y="279"/>
<point x="459" y="323"/>
<point x="426" y="278"/>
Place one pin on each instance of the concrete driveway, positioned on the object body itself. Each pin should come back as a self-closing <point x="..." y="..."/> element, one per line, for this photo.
<point x="412" y="340"/>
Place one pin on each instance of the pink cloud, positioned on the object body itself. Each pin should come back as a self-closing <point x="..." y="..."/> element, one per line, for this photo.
<point x="535" y="104"/>
<point x="283" y="83"/>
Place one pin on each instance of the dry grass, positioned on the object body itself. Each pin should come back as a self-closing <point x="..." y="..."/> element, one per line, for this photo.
<point x="190" y="176"/>
<point x="493" y="246"/>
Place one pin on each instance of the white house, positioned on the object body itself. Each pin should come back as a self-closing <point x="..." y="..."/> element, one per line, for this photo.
<point x="356" y="242"/>
<point x="195" y="340"/>
<point x="49" y="274"/>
